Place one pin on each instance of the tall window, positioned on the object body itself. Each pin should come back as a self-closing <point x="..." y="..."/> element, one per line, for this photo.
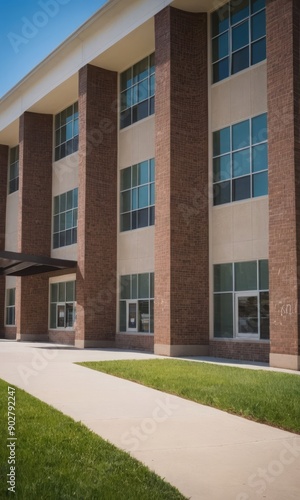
<point x="62" y="304"/>
<point x="240" y="161"/>
<point x="238" y="37"/>
<point x="137" y="303"/>
<point x="10" y="318"/>
<point x="137" y="203"/>
<point x="66" y="132"/>
<point x="13" y="171"/>
<point x="241" y="300"/>
<point x="65" y="215"/>
<point x="137" y="91"/>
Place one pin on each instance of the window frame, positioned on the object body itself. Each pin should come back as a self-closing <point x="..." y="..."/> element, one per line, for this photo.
<point x="68" y="146"/>
<point x="133" y="294"/>
<point x="229" y="31"/>
<point x="13" y="183"/>
<point x="58" y="216"/>
<point x="62" y="304"/>
<point x="10" y="306"/>
<point x="232" y="180"/>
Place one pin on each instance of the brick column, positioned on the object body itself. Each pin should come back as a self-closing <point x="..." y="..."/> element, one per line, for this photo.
<point x="3" y="196"/>
<point x="97" y="208"/>
<point x="181" y="227"/>
<point x="34" y="223"/>
<point x="283" y="46"/>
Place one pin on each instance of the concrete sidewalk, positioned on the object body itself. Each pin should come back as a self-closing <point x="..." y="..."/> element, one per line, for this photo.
<point x="206" y="453"/>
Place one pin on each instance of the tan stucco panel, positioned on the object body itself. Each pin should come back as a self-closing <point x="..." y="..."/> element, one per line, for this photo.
<point x="11" y="223"/>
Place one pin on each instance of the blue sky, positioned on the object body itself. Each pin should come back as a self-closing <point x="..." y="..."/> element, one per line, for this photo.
<point x="31" y="29"/>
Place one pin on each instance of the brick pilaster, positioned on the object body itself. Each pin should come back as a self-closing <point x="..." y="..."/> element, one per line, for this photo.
<point x="97" y="221"/>
<point x="283" y="47"/>
<point x="181" y="227"/>
<point x="3" y="196"/>
<point x="34" y="223"/>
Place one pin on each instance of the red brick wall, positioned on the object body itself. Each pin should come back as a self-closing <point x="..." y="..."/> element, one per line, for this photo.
<point x="3" y="193"/>
<point x="135" y="342"/>
<point x="34" y="226"/>
<point x="283" y="46"/>
<point x="246" y="351"/>
<point x="97" y="224"/>
<point x="181" y="227"/>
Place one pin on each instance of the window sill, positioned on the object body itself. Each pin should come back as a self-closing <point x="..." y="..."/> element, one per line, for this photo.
<point x="241" y="340"/>
<point x="136" y="333"/>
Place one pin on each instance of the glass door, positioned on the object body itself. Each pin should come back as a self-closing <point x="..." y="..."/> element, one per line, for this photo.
<point x="247" y="314"/>
<point x="132" y="315"/>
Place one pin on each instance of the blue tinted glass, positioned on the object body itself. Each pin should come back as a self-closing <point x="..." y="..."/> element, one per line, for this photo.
<point x="152" y="194"/>
<point x="241" y="163"/>
<point x="220" y="47"/>
<point x="240" y="36"/>
<point x="256" y="5"/>
<point x="259" y="129"/>
<point x="222" y="193"/>
<point x="221" y="70"/>
<point x="239" y="10"/>
<point x="258" y="25"/>
<point x="125" y="201"/>
<point x="126" y="79"/>
<point x="221" y="141"/>
<point x="260" y="184"/>
<point x="134" y="199"/>
<point x="260" y="157"/>
<point x="240" y="135"/>
<point x="240" y="60"/>
<point x="143" y="90"/>
<point x="143" y="172"/>
<point x="140" y="70"/>
<point x="258" y="51"/>
<point x="241" y="188"/>
<point x="220" y="20"/>
<point x="152" y="170"/>
<point x="143" y="197"/>
<point x="222" y="170"/>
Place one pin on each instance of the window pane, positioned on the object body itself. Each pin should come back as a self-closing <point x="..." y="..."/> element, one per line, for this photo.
<point x="151" y="316"/>
<point x="54" y="292"/>
<point x="126" y="178"/>
<point x="143" y="176"/>
<point x="53" y="316"/>
<point x="61" y="292"/>
<point x="221" y="141"/>
<point x="240" y="36"/>
<point x="241" y="188"/>
<point x="221" y="70"/>
<point x="69" y="219"/>
<point x="140" y="70"/>
<point x="240" y="60"/>
<point x="143" y="197"/>
<point x="260" y="184"/>
<point x="125" y="287"/>
<point x="220" y="47"/>
<point x="143" y="217"/>
<point x="247" y="314"/>
<point x="222" y="168"/>
<point x="122" y="316"/>
<point x="70" y="291"/>
<point x="143" y="286"/>
<point x="126" y="79"/>
<point x="144" y="317"/>
<point x="264" y="316"/>
<point x="240" y="135"/>
<point x="62" y="221"/>
<point x="222" y="193"/>
<point x="263" y="274"/>
<point x="62" y="202"/>
<point x="258" y="51"/>
<point x="134" y="195"/>
<point x="241" y="163"/>
<point x="151" y="216"/>
<point x="126" y="201"/>
<point x="152" y="170"/>
<point x="223" y="280"/>
<point x="152" y="285"/>
<point x="134" y="286"/>
<point x="56" y="204"/>
<point x="223" y="315"/>
<point x="220" y="20"/>
<point x="125" y="119"/>
<point x="239" y="10"/>
<point x="245" y="276"/>
<point x="75" y="197"/>
<point x="143" y="90"/>
<point x="259" y="129"/>
<point x="125" y="222"/>
<point x="256" y="5"/>
<point x="258" y="25"/>
<point x="260" y="157"/>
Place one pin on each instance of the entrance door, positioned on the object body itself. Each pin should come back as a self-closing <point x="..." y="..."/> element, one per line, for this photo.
<point x="247" y="314"/>
<point x="132" y="315"/>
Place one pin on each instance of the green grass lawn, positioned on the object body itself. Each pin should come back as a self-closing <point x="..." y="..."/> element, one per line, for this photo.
<point x="57" y="458"/>
<point x="269" y="397"/>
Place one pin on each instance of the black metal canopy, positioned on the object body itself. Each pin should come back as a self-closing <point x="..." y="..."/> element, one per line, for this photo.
<point x="20" y="264"/>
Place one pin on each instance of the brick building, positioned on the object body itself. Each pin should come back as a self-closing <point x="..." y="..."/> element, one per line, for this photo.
<point x="148" y="183"/>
